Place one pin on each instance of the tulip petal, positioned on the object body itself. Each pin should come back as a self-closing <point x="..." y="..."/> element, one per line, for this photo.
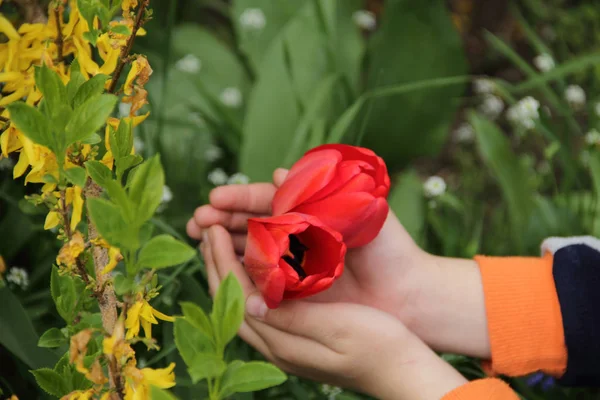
<point x="308" y="176"/>
<point x="357" y="216"/>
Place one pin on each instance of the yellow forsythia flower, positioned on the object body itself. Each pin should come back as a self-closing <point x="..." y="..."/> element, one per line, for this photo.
<point x="138" y="381"/>
<point x="68" y="254"/>
<point x="79" y="395"/>
<point x="142" y="313"/>
<point x="2" y="265"/>
<point x="114" y="255"/>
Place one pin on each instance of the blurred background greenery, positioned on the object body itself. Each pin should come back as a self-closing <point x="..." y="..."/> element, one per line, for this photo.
<point x="487" y="113"/>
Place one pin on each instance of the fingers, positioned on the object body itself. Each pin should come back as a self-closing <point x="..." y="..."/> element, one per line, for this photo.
<point x="207" y="216"/>
<point x="211" y="270"/>
<point x="225" y="259"/>
<point x="279" y="176"/>
<point x="252" y="198"/>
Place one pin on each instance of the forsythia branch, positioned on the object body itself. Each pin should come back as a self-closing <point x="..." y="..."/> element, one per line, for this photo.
<point x="64" y="212"/>
<point x="105" y="292"/>
<point x="59" y="36"/>
<point x="125" y="50"/>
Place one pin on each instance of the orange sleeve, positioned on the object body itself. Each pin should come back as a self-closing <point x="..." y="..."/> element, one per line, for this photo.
<point x="524" y="318"/>
<point x="483" y="389"/>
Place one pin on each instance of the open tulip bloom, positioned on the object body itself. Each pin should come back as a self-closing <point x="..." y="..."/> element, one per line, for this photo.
<point x="333" y="198"/>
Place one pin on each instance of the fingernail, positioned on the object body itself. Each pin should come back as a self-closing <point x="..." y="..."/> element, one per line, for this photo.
<point x="255" y="306"/>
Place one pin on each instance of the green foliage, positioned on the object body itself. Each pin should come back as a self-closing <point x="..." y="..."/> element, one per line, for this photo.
<point x="201" y="342"/>
<point x="164" y="251"/>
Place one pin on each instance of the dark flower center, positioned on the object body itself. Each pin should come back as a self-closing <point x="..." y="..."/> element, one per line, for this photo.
<point x="295" y="256"/>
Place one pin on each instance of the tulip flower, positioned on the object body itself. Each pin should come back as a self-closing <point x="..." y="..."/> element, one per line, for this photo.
<point x="292" y="256"/>
<point x="344" y="186"/>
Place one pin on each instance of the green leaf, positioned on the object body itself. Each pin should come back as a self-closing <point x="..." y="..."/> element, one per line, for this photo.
<point x="66" y="301"/>
<point x="197" y="317"/>
<point x="76" y="175"/>
<point x="91" y="88"/>
<point x="406" y="200"/>
<point x="121" y="140"/>
<point x="51" y="382"/>
<point x="89" y="117"/>
<point x="164" y="251"/>
<point x="129" y="161"/>
<point x="77" y="79"/>
<point x="228" y="310"/>
<point x="146" y="188"/>
<point x="120" y="30"/>
<point x="92" y="8"/>
<point x="160" y="394"/>
<point x="52" y="87"/>
<point x="18" y="335"/>
<point x="53" y="337"/>
<point x="404" y="126"/>
<point x="250" y="377"/>
<point x="98" y="172"/>
<point x="594" y="165"/>
<point x="505" y="167"/>
<point x="271" y="118"/>
<point x="111" y="225"/>
<point x="190" y="341"/>
<point x="206" y="365"/>
<point x="32" y="123"/>
<point x="123" y="284"/>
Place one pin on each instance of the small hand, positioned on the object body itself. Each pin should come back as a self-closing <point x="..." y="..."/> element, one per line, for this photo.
<point x="344" y="344"/>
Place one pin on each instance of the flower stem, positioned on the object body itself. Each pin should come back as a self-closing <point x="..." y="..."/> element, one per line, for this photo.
<point x="59" y="36"/>
<point x="125" y="50"/>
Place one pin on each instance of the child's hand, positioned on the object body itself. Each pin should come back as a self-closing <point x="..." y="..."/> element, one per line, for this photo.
<point x="343" y="344"/>
<point x="438" y="299"/>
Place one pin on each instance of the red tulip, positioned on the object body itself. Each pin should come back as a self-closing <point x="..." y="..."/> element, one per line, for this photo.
<point x="344" y="186"/>
<point x="292" y="256"/>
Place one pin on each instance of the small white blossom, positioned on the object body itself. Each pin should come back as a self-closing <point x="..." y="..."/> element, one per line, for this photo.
<point x="365" y="20"/>
<point x="492" y="106"/>
<point x="231" y="97"/>
<point x="213" y="153"/>
<point x="597" y="109"/>
<point x="544" y="62"/>
<point x="18" y="276"/>
<point x="6" y="163"/>
<point x="575" y="95"/>
<point x="217" y="177"/>
<point x="253" y="18"/>
<point x="124" y="109"/>
<point x="524" y="112"/>
<point x="196" y="118"/>
<point x="138" y="144"/>
<point x="434" y="186"/>
<point x="592" y="138"/>
<point x="167" y="194"/>
<point x="483" y="86"/>
<point x="238" y="179"/>
<point x="464" y="133"/>
<point x="331" y="391"/>
<point x="189" y="64"/>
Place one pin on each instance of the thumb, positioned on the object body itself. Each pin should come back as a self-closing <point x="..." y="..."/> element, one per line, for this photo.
<point x="279" y="176"/>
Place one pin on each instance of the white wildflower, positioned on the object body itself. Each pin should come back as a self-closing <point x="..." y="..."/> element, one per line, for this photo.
<point x="575" y="95"/>
<point x="544" y="62"/>
<point x="213" y="153"/>
<point x="331" y="391"/>
<point x="483" y="86"/>
<point x="217" y="177"/>
<point x="138" y="144"/>
<point x="238" y="179"/>
<point x="18" y="276"/>
<point x="492" y="106"/>
<point x="124" y="109"/>
<point x="167" y="194"/>
<point x="196" y="119"/>
<point x="6" y="163"/>
<point x="592" y="138"/>
<point x="189" y="64"/>
<point x="253" y="18"/>
<point x="434" y="186"/>
<point x="524" y="112"/>
<point x="231" y="97"/>
<point x="597" y="109"/>
<point x="464" y="133"/>
<point x="365" y="20"/>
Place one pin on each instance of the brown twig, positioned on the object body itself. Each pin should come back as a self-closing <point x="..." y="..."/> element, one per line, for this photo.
<point x="59" y="36"/>
<point x="125" y="50"/>
<point x="32" y="11"/>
